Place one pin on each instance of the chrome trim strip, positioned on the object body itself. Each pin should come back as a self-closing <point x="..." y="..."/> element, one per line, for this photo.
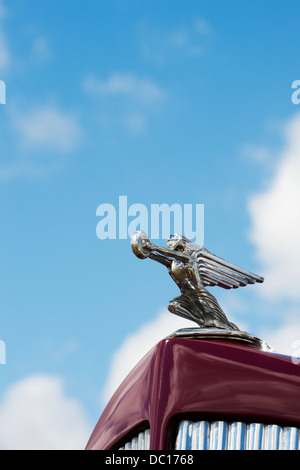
<point x="219" y="435"/>
<point x="218" y="333"/>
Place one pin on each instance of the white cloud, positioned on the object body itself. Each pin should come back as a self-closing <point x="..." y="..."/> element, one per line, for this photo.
<point x="47" y="128"/>
<point x="42" y="137"/>
<point x="189" y="40"/>
<point x="41" y="49"/>
<point x="127" y="101"/>
<point x="275" y="218"/>
<point x="136" y="345"/>
<point x="26" y="168"/>
<point x="142" y="90"/>
<point x="203" y="27"/>
<point x="259" y="154"/>
<point x="285" y="339"/>
<point x="135" y="122"/>
<point x="36" y="414"/>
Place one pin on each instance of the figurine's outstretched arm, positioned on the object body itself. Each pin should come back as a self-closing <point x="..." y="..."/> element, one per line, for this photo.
<point x="143" y="248"/>
<point x="171" y="253"/>
<point x="161" y="259"/>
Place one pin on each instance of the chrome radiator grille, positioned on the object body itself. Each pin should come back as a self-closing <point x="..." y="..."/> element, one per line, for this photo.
<point x="139" y="442"/>
<point x="220" y="435"/>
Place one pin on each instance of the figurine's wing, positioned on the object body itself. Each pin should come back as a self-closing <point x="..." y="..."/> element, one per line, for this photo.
<point x="215" y="271"/>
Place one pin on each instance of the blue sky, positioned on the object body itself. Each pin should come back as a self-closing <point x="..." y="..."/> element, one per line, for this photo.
<point x="164" y="102"/>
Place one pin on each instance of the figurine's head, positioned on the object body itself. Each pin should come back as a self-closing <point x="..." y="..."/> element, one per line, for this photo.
<point x="177" y="242"/>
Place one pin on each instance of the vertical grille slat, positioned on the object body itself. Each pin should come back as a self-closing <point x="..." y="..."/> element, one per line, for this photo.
<point x="254" y="438"/>
<point x="219" y="435"/>
<point x="272" y="437"/>
<point x="237" y="436"/>
<point x="139" y="442"/>
<point x="200" y="435"/>
<point x="290" y="439"/>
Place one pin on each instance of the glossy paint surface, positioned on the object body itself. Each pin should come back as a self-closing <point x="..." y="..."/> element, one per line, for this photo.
<point x="212" y="378"/>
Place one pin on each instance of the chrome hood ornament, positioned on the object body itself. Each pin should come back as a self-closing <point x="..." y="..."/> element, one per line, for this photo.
<point x="193" y="268"/>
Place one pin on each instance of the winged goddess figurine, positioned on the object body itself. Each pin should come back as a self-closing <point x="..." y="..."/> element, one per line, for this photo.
<point x="193" y="268"/>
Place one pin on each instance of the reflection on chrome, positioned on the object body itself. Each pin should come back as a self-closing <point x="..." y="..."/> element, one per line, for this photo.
<point x="139" y="442"/>
<point x="220" y="435"/>
<point x="193" y="268"/>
